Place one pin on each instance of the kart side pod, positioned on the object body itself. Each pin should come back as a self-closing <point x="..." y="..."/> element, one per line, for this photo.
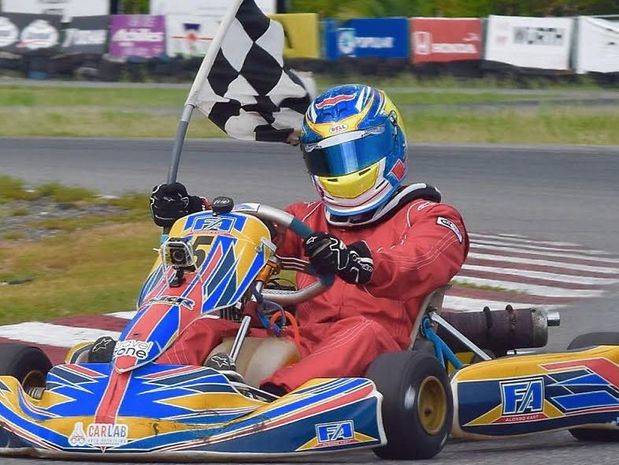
<point x="524" y="394"/>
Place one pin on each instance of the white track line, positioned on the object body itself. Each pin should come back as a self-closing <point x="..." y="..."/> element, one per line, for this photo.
<point x="532" y="261"/>
<point x="467" y="304"/>
<point x="123" y="315"/>
<point x="530" y="289"/>
<point x="601" y="260"/>
<point x="524" y="241"/>
<point x="566" y="278"/>
<point x="53" y="335"/>
<point x="503" y="243"/>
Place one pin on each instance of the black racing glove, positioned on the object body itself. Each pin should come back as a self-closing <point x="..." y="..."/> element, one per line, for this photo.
<point x="329" y="255"/>
<point x="169" y="202"/>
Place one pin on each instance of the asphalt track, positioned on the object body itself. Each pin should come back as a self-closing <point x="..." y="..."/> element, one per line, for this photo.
<point x="554" y="193"/>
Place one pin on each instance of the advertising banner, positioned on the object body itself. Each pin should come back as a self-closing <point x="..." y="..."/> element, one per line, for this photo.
<point x="86" y="34"/>
<point x="365" y="38"/>
<point x="214" y="8"/>
<point x="445" y="39"/>
<point x="542" y="43"/>
<point x="597" y="49"/>
<point x="25" y="33"/>
<point x="65" y="8"/>
<point x="301" y="32"/>
<point x="137" y="36"/>
<point x="189" y="35"/>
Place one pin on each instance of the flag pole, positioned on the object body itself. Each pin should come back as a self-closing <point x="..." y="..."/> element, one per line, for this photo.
<point x="190" y="104"/>
<point x="179" y="142"/>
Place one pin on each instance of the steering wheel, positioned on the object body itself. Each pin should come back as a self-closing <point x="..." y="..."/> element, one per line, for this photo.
<point x="287" y="221"/>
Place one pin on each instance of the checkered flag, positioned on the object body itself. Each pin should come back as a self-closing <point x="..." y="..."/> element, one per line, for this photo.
<point x="243" y="85"/>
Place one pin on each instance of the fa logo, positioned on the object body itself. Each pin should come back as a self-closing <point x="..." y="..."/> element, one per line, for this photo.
<point x="337" y="431"/>
<point x="209" y="223"/>
<point x="521" y="397"/>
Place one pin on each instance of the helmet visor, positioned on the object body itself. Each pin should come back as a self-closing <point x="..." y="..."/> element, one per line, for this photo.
<point x="346" y="153"/>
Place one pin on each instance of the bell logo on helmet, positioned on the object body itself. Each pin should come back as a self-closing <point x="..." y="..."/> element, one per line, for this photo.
<point x="337" y="128"/>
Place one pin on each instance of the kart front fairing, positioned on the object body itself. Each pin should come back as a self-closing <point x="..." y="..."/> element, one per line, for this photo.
<point x="176" y="412"/>
<point x="133" y="406"/>
<point x="231" y="249"/>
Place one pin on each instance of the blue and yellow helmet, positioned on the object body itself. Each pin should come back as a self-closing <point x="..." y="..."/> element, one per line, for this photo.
<point x="354" y="147"/>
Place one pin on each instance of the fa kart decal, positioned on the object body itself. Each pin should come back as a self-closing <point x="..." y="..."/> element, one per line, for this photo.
<point x="523" y="400"/>
<point x="99" y="435"/>
<point x="132" y="348"/>
<point x="335" y="434"/>
<point x="442" y="221"/>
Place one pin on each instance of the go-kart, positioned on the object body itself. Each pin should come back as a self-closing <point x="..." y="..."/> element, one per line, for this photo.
<point x="219" y="264"/>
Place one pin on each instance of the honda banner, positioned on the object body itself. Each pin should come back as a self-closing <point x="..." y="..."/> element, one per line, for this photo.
<point x="137" y="36"/>
<point x="365" y="38"/>
<point x="86" y="34"/>
<point x="65" y="8"/>
<point x="25" y="33"/>
<point x="529" y="42"/>
<point x="445" y="39"/>
<point x="213" y="8"/>
<point x="189" y="35"/>
<point x="597" y="49"/>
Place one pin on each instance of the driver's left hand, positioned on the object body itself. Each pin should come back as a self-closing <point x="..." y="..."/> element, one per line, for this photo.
<point x="169" y="202"/>
<point x="329" y="255"/>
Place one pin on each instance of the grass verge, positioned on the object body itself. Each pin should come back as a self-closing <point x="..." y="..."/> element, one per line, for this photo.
<point x="430" y="116"/>
<point x="89" y="258"/>
<point x="99" y="270"/>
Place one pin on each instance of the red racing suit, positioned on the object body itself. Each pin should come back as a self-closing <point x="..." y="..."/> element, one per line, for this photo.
<point x="416" y="250"/>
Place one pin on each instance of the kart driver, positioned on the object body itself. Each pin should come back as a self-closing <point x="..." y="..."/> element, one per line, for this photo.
<point x="389" y="244"/>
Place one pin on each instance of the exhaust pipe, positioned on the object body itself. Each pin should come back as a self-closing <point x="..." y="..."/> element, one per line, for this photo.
<point x="502" y="330"/>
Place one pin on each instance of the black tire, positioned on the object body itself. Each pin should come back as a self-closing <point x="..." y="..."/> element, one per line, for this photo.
<point x="29" y="365"/>
<point x="581" y="342"/>
<point x="594" y="339"/>
<point x="412" y="434"/>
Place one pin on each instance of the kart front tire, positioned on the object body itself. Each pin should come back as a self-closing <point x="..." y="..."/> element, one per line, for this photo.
<point x="29" y="365"/>
<point x="417" y="406"/>
<point x="581" y="342"/>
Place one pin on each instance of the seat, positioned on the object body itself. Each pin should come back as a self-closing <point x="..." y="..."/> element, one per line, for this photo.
<point x="260" y="357"/>
<point x="433" y="300"/>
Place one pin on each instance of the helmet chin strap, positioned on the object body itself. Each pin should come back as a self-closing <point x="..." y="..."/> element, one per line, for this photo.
<point x="400" y="198"/>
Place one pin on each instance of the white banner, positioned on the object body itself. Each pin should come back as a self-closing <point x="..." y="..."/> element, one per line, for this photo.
<point x="65" y="8"/>
<point x="597" y="49"/>
<point x="189" y="35"/>
<point x="212" y="8"/>
<point x="529" y="42"/>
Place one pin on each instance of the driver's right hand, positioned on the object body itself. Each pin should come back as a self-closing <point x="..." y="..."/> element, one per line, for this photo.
<point x="169" y="202"/>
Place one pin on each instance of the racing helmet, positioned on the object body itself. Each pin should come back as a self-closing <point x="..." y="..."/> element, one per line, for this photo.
<point x="354" y="147"/>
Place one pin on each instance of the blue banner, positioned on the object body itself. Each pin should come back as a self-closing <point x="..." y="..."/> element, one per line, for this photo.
<point x="365" y="38"/>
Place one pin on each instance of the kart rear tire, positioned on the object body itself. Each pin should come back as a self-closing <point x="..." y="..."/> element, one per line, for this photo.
<point x="417" y="406"/>
<point x="581" y="342"/>
<point x="29" y="365"/>
<point x="594" y="339"/>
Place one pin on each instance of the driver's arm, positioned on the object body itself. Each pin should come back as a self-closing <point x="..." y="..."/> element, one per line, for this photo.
<point x="289" y="247"/>
<point x="428" y="254"/>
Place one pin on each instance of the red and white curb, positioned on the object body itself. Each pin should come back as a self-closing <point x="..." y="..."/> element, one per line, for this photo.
<point x="501" y="269"/>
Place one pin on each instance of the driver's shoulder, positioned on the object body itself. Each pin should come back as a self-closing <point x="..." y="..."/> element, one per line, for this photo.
<point x="420" y="210"/>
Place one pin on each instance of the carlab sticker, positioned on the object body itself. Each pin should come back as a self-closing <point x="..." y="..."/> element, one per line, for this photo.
<point x="99" y="435"/>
